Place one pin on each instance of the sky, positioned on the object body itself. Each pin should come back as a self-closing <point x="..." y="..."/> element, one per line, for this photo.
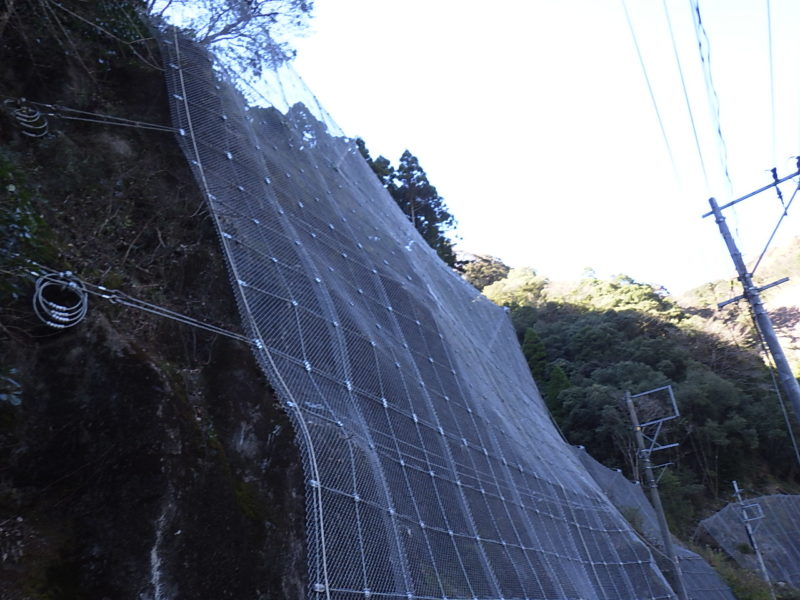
<point x="534" y="121"/>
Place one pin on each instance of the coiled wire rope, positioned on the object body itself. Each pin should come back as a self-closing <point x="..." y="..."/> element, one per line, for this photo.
<point x="31" y="117"/>
<point x="31" y="121"/>
<point x="60" y="300"/>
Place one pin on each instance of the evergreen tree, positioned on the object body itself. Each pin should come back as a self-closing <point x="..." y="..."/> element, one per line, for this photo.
<point x="417" y="198"/>
<point x="424" y="207"/>
<point x="380" y="166"/>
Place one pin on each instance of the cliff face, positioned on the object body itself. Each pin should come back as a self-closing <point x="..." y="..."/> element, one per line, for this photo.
<point x="139" y="457"/>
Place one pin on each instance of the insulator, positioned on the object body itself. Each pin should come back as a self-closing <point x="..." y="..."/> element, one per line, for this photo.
<point x="60" y="300"/>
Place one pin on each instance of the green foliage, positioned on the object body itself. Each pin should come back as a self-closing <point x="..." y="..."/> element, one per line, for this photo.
<point x="482" y="270"/>
<point x="588" y="344"/>
<point x="409" y="186"/>
<point x="745" y="548"/>
<point x="745" y="584"/>
<point x="556" y="383"/>
<point x="535" y="354"/>
<point x="521" y="287"/>
<point x="634" y="516"/>
<point x="22" y="229"/>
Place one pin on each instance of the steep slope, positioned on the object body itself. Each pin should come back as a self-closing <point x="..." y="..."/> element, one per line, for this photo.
<point x="782" y="302"/>
<point x="140" y="458"/>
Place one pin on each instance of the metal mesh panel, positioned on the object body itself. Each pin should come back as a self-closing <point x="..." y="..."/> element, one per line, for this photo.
<point x="433" y="470"/>
<point x="700" y="579"/>
<point x="777" y="535"/>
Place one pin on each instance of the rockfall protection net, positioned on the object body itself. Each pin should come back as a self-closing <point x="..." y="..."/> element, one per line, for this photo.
<point x="700" y="579"/>
<point x="777" y="535"/>
<point x="433" y="470"/>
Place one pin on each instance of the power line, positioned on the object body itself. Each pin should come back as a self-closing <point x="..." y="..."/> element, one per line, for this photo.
<point x="774" y="231"/>
<point x="771" y="79"/>
<point x="650" y="89"/>
<point x="704" y="48"/>
<point x="685" y="93"/>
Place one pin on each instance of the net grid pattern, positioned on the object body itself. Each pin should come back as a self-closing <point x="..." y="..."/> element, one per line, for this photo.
<point x="700" y="579"/>
<point x="777" y="535"/>
<point x="433" y="471"/>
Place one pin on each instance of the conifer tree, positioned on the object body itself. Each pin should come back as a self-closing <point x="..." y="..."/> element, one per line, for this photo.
<point x="417" y="198"/>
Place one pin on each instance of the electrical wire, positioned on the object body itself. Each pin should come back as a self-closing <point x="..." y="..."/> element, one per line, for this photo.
<point x="650" y="89"/>
<point x="685" y="93"/>
<point x="774" y="231"/>
<point x="704" y="47"/>
<point x="771" y="79"/>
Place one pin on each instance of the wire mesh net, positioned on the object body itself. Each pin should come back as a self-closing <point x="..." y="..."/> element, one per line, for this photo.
<point x="700" y="579"/>
<point x="776" y="528"/>
<point x="432" y="467"/>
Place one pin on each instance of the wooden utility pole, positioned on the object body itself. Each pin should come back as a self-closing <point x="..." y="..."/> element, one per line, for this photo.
<point x="751" y="294"/>
<point x="644" y="453"/>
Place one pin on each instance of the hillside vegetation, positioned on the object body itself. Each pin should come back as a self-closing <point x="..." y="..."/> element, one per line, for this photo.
<point x="589" y="342"/>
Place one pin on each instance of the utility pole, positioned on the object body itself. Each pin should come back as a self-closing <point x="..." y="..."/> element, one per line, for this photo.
<point x="751" y="534"/>
<point x="751" y="294"/>
<point x="644" y="453"/>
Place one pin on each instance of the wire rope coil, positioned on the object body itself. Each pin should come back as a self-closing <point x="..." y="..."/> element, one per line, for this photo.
<point x="60" y="300"/>
<point x="31" y="121"/>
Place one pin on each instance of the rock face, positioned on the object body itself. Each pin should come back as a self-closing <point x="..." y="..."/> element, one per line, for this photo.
<point x="139" y="458"/>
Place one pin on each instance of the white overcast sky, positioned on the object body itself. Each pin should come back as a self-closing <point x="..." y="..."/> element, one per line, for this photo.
<point x="533" y="119"/>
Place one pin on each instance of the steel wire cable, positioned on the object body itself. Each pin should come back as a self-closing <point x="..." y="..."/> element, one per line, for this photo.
<point x="650" y="89"/>
<point x="784" y="214"/>
<point x="60" y="300"/>
<point x="31" y="121"/>
<point x="259" y="343"/>
<point x="704" y="47"/>
<point x="427" y="495"/>
<point x="771" y="80"/>
<point x="27" y="113"/>
<point x="685" y="93"/>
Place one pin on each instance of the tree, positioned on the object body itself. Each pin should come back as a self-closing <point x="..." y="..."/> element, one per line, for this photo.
<point x="248" y="33"/>
<point x="556" y="383"/>
<point x="381" y="166"/>
<point x="483" y="269"/>
<point x="417" y="198"/>
<point x="424" y="207"/>
<point x="522" y="287"/>
<point x="535" y="354"/>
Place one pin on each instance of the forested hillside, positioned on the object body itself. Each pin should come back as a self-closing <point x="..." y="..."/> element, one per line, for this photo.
<point x="589" y="342"/>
